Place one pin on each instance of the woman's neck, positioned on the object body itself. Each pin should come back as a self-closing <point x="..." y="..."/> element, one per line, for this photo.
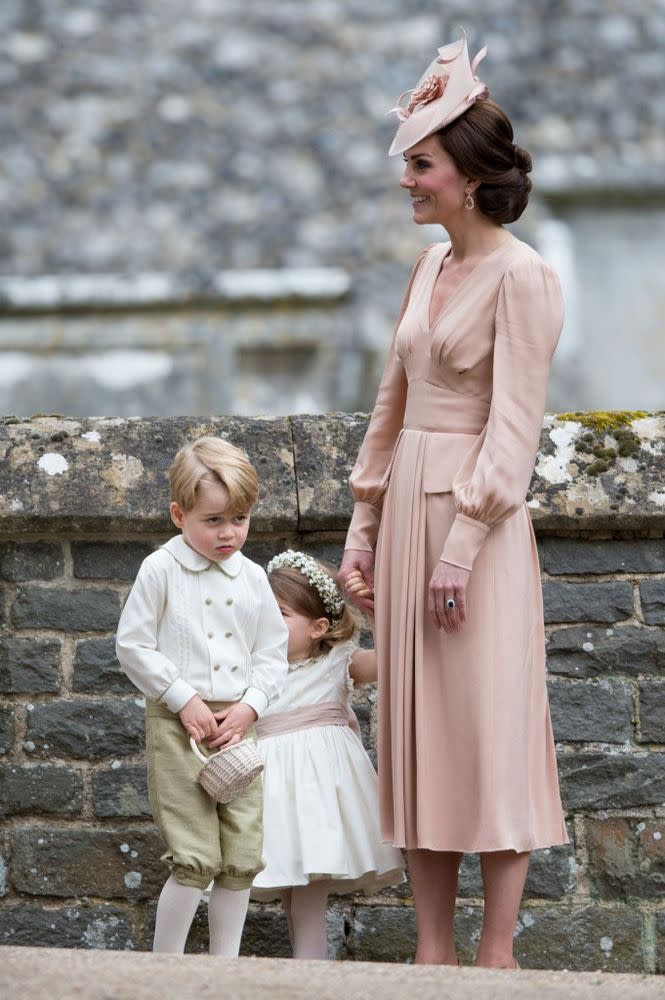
<point x="476" y="238"/>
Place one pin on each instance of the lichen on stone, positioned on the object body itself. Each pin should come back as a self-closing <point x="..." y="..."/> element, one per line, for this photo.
<point x="603" y="424"/>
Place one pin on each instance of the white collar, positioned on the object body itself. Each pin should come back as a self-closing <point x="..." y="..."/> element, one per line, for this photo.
<point x="194" y="561"/>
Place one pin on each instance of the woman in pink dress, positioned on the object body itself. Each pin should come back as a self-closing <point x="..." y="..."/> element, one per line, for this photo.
<point x="441" y="531"/>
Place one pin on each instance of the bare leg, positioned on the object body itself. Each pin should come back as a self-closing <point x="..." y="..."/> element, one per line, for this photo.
<point x="175" y="911"/>
<point x="286" y="905"/>
<point x="308" y="920"/>
<point x="434" y="882"/>
<point x="504" y="874"/>
<point x="227" y="911"/>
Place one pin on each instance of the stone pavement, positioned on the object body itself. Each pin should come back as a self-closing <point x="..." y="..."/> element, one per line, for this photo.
<point x="61" y="974"/>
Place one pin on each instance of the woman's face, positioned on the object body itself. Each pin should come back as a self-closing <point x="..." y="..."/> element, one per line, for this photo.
<point x="434" y="183"/>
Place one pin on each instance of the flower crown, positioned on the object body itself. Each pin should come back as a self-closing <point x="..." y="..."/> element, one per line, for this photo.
<point x="322" y="583"/>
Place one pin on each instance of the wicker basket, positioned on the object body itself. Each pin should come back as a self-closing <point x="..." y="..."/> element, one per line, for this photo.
<point x="229" y="771"/>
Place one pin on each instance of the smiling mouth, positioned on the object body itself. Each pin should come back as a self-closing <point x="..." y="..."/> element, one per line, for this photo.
<point x="418" y="201"/>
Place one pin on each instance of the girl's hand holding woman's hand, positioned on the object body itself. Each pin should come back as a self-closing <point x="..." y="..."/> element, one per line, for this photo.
<point x="448" y="582"/>
<point x="358" y="561"/>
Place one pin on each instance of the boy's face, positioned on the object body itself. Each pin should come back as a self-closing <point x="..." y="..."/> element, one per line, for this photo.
<point x="208" y="528"/>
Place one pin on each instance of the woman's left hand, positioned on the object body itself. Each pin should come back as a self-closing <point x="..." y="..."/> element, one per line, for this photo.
<point x="448" y="583"/>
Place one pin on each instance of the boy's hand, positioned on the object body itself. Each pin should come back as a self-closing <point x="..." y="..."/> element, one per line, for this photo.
<point x="233" y="724"/>
<point x="198" y="720"/>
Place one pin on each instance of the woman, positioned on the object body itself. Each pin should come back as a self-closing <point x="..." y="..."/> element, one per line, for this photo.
<point x="466" y="754"/>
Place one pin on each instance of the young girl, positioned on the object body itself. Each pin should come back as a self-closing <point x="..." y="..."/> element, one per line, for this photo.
<point x="320" y="809"/>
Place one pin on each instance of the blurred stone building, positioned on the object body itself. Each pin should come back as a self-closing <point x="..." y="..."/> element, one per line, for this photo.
<point x="199" y="216"/>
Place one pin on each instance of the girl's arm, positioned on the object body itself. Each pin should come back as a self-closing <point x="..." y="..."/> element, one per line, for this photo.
<point x="362" y="668"/>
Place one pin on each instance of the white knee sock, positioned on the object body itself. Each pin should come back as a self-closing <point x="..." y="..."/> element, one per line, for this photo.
<point x="227" y="910"/>
<point x="175" y="912"/>
<point x="308" y="917"/>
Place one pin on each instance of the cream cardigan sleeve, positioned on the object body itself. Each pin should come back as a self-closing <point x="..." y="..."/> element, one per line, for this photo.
<point x="153" y="673"/>
<point x="492" y="482"/>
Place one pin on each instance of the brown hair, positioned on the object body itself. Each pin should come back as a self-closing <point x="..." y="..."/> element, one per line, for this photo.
<point x="292" y="588"/>
<point x="481" y="143"/>
<point x="212" y="460"/>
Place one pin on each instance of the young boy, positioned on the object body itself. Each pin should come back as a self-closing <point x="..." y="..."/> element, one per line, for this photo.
<point x="202" y="637"/>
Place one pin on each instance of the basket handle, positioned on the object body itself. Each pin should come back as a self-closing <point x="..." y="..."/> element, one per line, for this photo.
<point x="196" y="751"/>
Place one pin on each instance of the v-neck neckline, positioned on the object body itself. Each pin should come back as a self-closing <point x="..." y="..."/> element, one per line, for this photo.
<point x="437" y="271"/>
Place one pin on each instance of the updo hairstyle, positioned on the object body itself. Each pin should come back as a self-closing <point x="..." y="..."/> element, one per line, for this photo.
<point x="481" y="143"/>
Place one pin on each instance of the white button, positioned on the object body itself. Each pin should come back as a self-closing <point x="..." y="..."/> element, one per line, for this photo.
<point x="229" y="600"/>
<point x="211" y="635"/>
<point x="216" y="667"/>
<point x="228" y="635"/>
<point x="233" y="669"/>
<point x="209" y="600"/>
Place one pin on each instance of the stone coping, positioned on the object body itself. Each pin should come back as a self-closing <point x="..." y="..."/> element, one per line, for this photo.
<point x="98" y="975"/>
<point x="594" y="472"/>
<point x="74" y="292"/>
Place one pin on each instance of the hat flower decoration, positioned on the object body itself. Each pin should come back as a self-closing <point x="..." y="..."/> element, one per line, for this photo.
<point x="448" y="87"/>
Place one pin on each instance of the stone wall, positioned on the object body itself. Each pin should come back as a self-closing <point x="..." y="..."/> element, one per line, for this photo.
<point x="81" y="504"/>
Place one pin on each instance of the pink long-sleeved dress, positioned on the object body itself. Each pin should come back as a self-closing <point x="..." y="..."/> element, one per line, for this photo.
<point x="466" y="752"/>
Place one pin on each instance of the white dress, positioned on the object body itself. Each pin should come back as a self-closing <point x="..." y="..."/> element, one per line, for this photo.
<point x="320" y="794"/>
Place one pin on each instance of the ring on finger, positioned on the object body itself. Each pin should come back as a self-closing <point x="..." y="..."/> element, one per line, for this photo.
<point x="450" y="604"/>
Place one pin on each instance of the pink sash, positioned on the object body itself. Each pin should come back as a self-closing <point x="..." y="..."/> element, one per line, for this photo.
<point x="328" y="713"/>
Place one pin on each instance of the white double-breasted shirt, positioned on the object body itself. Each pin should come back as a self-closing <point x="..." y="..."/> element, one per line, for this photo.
<point x="195" y="626"/>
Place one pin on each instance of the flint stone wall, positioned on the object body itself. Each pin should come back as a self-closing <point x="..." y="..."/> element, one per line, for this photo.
<point x="81" y="504"/>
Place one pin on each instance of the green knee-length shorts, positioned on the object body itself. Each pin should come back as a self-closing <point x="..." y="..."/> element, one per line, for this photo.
<point x="205" y="839"/>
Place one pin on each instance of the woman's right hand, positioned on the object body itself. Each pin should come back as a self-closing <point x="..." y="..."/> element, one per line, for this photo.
<point x="363" y="562"/>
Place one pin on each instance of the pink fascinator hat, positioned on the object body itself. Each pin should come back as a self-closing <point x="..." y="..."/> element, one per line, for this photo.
<point x="447" y="88"/>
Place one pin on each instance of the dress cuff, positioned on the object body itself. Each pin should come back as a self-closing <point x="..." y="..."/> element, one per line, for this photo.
<point x="256" y="699"/>
<point x="177" y="695"/>
<point x="364" y="528"/>
<point x="464" y="541"/>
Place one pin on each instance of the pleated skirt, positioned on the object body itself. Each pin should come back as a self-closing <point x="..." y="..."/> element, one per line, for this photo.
<point x="466" y="754"/>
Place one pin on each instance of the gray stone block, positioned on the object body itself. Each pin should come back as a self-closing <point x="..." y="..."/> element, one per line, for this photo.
<point x="383" y="934"/>
<point x="53" y="790"/>
<point x="29" y="666"/>
<point x="109" y="560"/>
<point x="568" y="555"/>
<point x="591" y="711"/>
<point x="266" y="933"/>
<point x="31" y="561"/>
<point x="3" y="872"/>
<point x="591" y="651"/>
<point x="626" y="858"/>
<point x="660" y="941"/>
<point x="85" y="729"/>
<point x="592" y="602"/>
<point x="122" y="481"/>
<point x="652" y="598"/>
<point x="68" y="862"/>
<point x="121" y="791"/>
<point x="96" y="668"/>
<point x="550" y="874"/>
<point x="581" y="939"/>
<point x="325" y="449"/>
<point x="83" y="610"/>
<point x="652" y="711"/>
<point x="6" y="729"/>
<point x="611" y="780"/>
<point x="81" y="926"/>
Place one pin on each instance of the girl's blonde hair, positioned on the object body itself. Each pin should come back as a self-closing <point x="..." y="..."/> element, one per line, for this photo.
<point x="212" y="460"/>
<point x="292" y="588"/>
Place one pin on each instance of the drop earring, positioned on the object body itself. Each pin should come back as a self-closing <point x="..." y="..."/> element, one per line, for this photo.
<point x="468" y="201"/>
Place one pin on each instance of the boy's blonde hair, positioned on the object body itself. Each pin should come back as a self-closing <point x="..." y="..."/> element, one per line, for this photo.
<point x="213" y="460"/>
<point x="292" y="588"/>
